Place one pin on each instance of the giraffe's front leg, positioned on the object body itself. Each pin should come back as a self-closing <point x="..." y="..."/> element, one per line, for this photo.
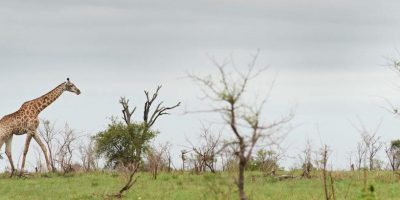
<point x="26" y="148"/>
<point x="9" y="155"/>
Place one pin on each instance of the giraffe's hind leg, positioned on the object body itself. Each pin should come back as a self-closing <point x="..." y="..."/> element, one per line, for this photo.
<point x="9" y="155"/>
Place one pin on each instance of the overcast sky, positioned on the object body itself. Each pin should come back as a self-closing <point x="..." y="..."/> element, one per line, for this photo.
<point x="328" y="58"/>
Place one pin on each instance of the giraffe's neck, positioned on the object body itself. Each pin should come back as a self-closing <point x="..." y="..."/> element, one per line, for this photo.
<point x="39" y="104"/>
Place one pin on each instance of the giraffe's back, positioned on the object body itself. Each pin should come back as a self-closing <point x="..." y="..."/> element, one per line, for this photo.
<point x="19" y="122"/>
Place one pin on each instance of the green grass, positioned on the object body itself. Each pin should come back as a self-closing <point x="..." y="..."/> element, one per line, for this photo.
<point x="86" y="186"/>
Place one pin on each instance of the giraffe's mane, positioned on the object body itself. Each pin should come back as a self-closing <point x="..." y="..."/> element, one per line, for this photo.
<point x="45" y="94"/>
<point x="28" y="102"/>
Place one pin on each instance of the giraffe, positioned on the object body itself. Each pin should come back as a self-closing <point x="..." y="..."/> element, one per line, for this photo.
<point x="26" y="121"/>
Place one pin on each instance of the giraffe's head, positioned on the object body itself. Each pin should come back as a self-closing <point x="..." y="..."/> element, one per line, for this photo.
<point x="70" y="87"/>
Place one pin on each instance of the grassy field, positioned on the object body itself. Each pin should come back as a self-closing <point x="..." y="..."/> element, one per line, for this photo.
<point x="86" y="186"/>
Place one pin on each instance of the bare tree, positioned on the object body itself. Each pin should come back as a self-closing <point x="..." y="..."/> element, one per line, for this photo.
<point x="327" y="179"/>
<point x="49" y="135"/>
<point x="227" y="158"/>
<point x="371" y="142"/>
<point x="195" y="163"/>
<point x="66" y="149"/>
<point x="361" y="152"/>
<point x="88" y="155"/>
<point x="157" y="157"/>
<point x="306" y="162"/>
<point x="324" y="162"/>
<point x="206" y="152"/>
<point x="227" y="93"/>
<point x="374" y="146"/>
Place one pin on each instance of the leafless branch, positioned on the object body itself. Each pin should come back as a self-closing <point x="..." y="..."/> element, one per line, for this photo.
<point x="160" y="110"/>
<point x="126" y="112"/>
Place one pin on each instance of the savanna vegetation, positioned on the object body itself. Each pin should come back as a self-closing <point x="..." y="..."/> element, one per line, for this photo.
<point x="242" y="160"/>
<point x="178" y="185"/>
